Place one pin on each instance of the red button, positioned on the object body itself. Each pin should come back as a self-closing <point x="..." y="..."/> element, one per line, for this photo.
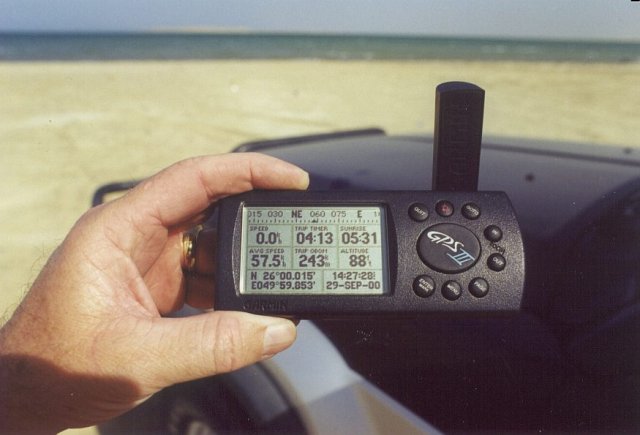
<point x="444" y="208"/>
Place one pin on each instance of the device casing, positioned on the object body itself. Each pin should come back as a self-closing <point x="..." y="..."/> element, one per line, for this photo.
<point x="505" y="286"/>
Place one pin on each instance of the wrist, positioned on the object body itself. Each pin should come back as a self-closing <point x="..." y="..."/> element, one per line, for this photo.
<point x="22" y="385"/>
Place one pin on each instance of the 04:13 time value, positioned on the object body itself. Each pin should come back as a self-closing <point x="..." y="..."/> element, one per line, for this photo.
<point x="347" y="238"/>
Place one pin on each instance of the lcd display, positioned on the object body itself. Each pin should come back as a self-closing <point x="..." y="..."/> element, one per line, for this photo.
<point x="313" y="250"/>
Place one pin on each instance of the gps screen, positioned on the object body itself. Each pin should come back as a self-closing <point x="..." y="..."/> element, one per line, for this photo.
<point x="313" y="250"/>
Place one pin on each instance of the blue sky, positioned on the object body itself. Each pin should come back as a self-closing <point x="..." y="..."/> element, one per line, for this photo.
<point x="575" y="19"/>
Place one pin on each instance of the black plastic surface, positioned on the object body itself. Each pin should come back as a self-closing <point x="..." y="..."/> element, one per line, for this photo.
<point x="405" y="265"/>
<point x="457" y="136"/>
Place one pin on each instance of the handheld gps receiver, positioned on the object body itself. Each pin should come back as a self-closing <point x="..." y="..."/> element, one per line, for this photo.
<point x="316" y="254"/>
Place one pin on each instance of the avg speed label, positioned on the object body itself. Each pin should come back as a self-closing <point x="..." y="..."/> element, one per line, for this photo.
<point x="313" y="250"/>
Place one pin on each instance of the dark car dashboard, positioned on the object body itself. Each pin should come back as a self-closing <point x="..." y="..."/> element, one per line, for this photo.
<point x="569" y="361"/>
<point x="563" y="358"/>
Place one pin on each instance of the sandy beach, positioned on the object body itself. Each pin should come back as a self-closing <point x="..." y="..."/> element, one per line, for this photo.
<point x="67" y="127"/>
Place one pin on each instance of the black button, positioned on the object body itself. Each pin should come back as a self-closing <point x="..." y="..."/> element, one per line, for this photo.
<point x="493" y="233"/>
<point x="451" y="290"/>
<point x="448" y="248"/>
<point x="471" y="211"/>
<point x="496" y="262"/>
<point x="418" y="212"/>
<point x="424" y="286"/>
<point x="444" y="208"/>
<point x="479" y="287"/>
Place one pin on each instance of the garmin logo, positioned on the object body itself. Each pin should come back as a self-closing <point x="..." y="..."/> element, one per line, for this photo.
<point x="264" y="305"/>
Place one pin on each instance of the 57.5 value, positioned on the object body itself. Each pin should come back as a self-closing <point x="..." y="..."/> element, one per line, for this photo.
<point x="267" y="260"/>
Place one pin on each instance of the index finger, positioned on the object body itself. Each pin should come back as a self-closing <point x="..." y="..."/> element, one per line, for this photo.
<point x="186" y="188"/>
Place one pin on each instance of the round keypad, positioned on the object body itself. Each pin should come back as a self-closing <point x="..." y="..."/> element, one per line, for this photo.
<point x="424" y="286"/>
<point x="444" y="208"/>
<point x="493" y="233"/>
<point x="471" y="211"/>
<point x="449" y="248"/>
<point x="418" y="212"/>
<point x="496" y="262"/>
<point x="479" y="287"/>
<point x="451" y="290"/>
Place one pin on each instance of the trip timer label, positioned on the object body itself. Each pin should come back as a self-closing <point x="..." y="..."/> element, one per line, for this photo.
<point x="313" y="250"/>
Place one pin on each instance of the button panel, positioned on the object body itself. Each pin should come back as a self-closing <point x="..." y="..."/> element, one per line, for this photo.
<point x="450" y="248"/>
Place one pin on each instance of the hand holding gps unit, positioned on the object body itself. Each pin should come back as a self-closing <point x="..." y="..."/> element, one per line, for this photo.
<point x="323" y="254"/>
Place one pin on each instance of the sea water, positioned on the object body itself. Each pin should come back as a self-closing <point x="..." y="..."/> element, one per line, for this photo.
<point x="180" y="46"/>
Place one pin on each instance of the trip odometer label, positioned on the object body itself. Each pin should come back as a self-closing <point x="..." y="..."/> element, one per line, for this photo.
<point x="313" y="250"/>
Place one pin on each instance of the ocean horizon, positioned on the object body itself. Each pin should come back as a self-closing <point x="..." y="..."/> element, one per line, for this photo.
<point x="206" y="46"/>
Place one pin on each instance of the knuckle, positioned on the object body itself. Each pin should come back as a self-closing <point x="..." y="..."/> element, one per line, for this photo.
<point x="230" y="350"/>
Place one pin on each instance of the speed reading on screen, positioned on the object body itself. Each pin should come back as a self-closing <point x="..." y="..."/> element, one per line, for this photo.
<point x="313" y="250"/>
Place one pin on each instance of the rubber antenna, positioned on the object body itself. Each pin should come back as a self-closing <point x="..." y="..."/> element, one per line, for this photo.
<point x="457" y="136"/>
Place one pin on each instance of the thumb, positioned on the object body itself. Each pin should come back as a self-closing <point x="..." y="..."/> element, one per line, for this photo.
<point x="216" y="342"/>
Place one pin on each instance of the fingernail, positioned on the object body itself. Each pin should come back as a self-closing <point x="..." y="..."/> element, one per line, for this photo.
<point x="277" y="338"/>
<point x="304" y="179"/>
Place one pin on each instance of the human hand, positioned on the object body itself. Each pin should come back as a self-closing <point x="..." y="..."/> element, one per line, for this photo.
<point x="89" y="342"/>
